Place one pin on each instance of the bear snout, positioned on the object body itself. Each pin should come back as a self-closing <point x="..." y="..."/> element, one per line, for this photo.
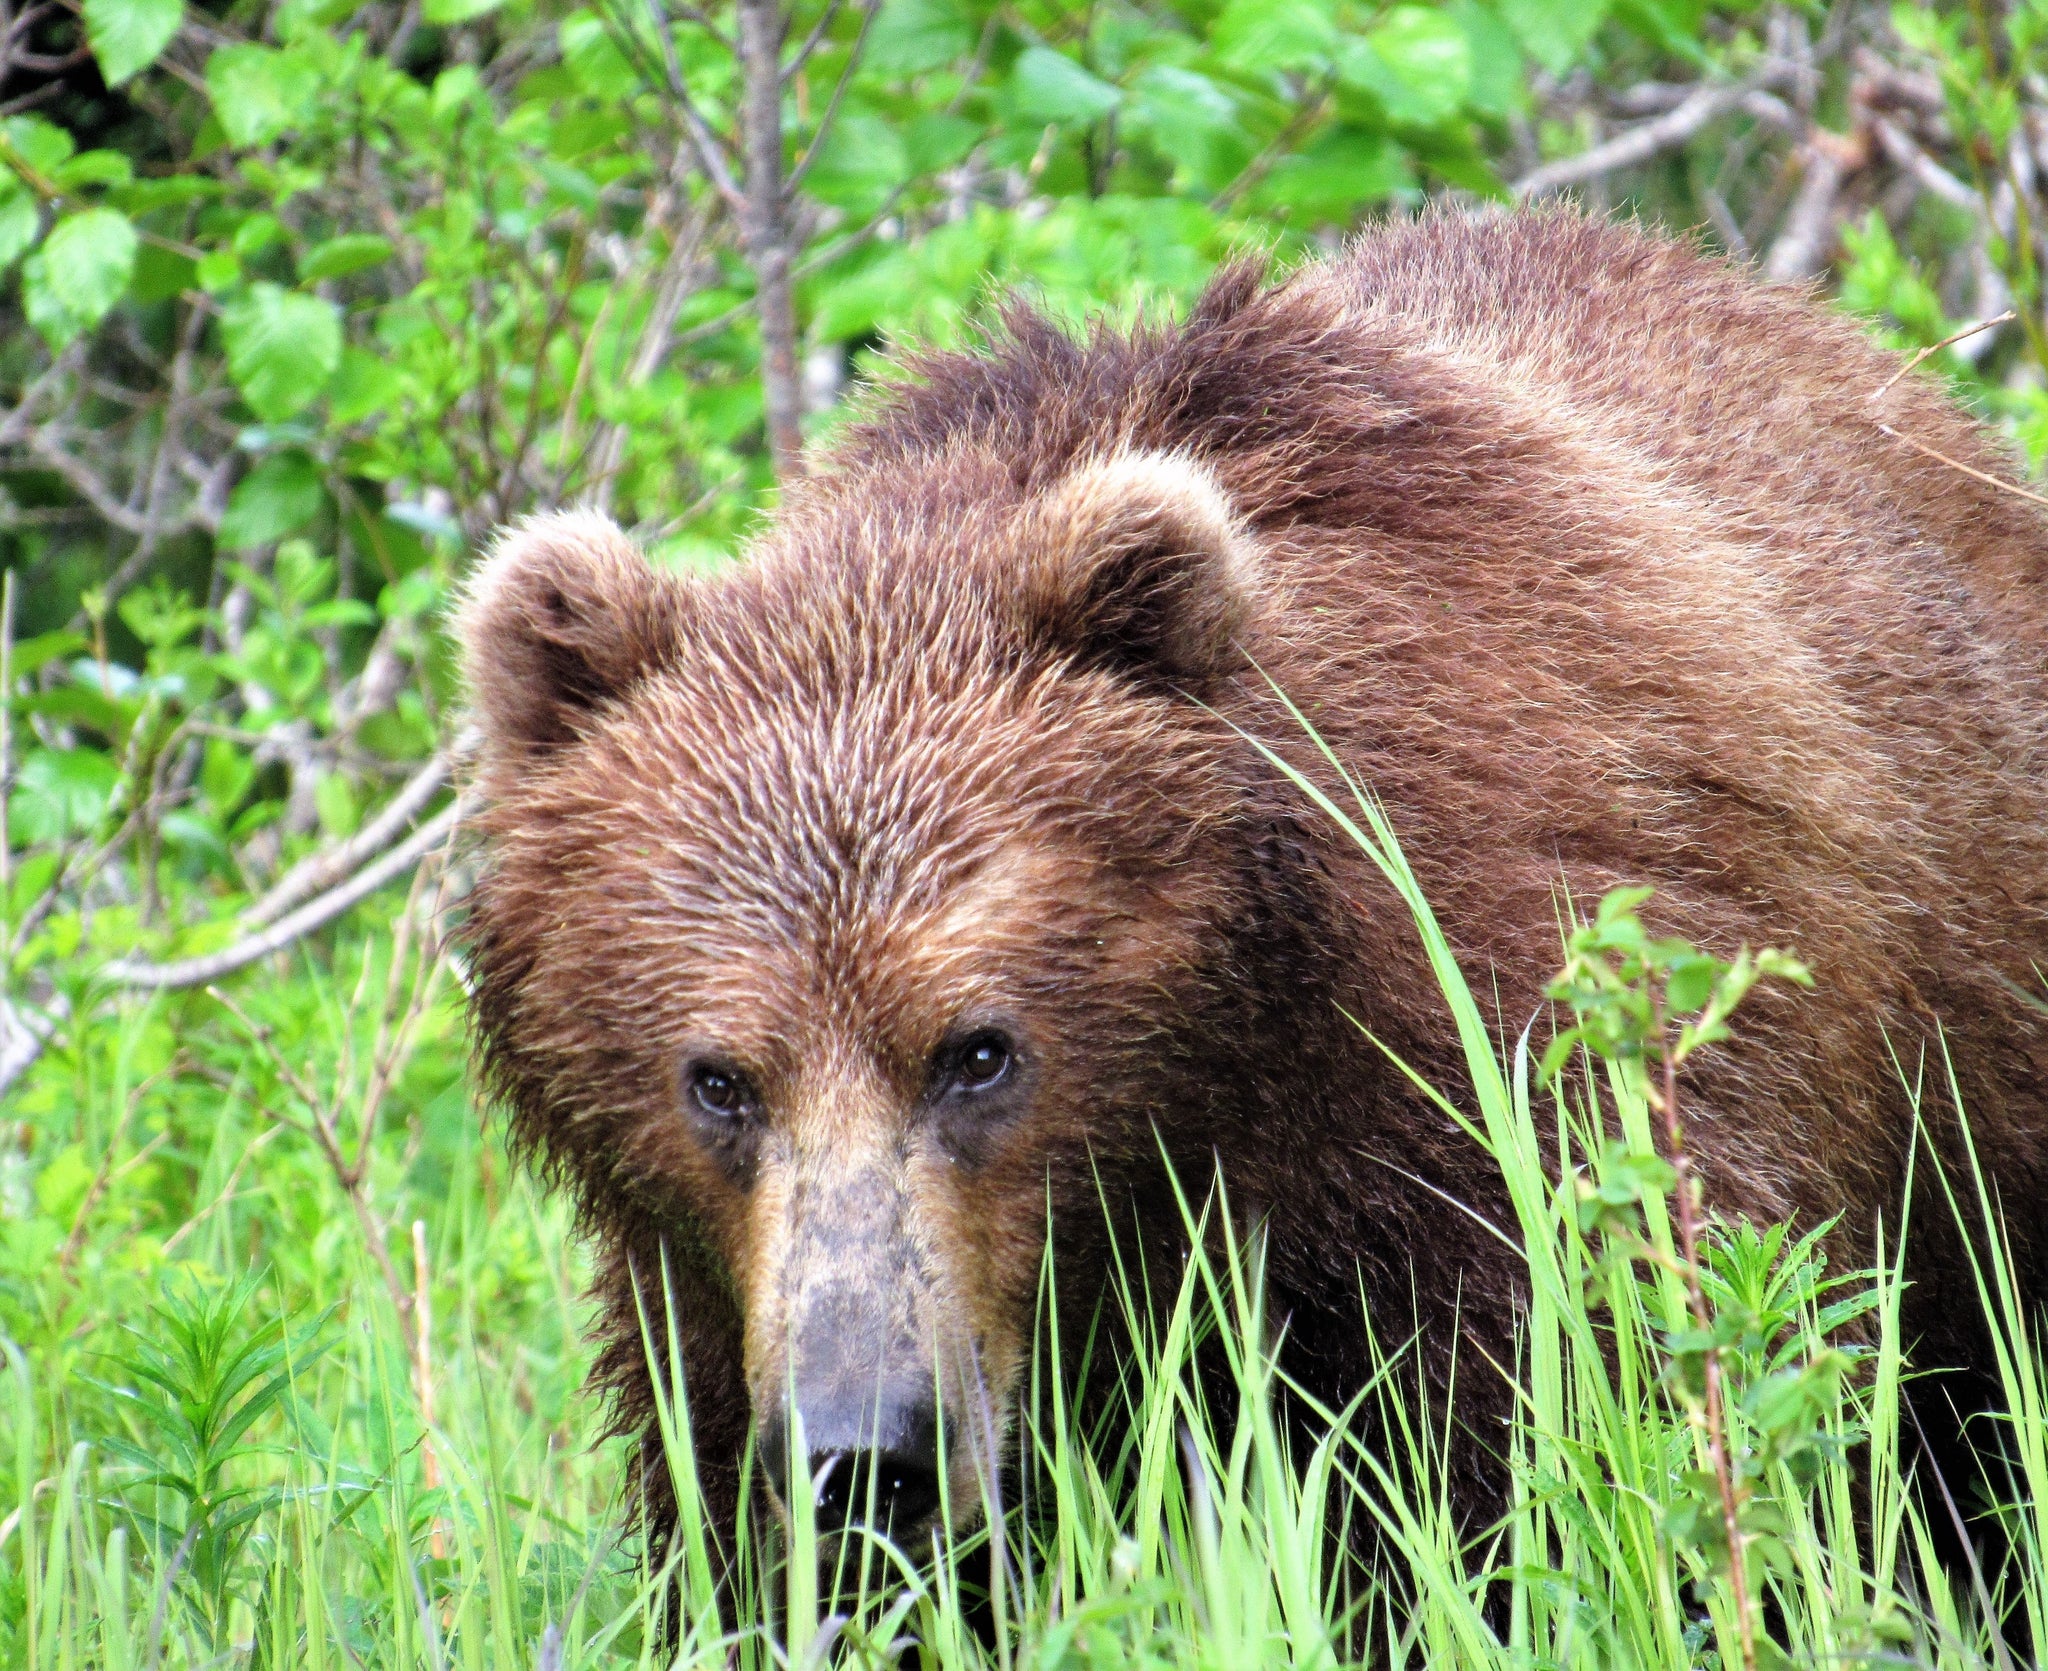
<point x="861" y="1381"/>
<point x="872" y="1461"/>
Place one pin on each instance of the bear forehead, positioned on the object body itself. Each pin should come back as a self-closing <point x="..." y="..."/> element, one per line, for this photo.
<point x="727" y="858"/>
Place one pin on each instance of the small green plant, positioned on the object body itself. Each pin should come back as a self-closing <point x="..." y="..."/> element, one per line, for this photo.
<point x="1645" y="1006"/>
<point x="194" y="1387"/>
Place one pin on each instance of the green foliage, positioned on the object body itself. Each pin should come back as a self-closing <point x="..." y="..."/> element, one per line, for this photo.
<point x="194" y="1385"/>
<point x="1646" y="1005"/>
<point x="1622" y="987"/>
<point x="321" y="292"/>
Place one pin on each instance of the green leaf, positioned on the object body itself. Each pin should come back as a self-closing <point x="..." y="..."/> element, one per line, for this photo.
<point x="1495" y="59"/>
<point x="1328" y="183"/>
<point x="1267" y="35"/>
<point x="594" y="58"/>
<point x="1692" y="983"/>
<point x="162" y="273"/>
<point x="910" y="37"/>
<point x="1617" y="903"/>
<point x="70" y="284"/>
<point x="256" y="234"/>
<point x="42" y="146"/>
<point x="226" y="774"/>
<point x="138" y="197"/>
<point x="348" y="254"/>
<point x="279" y="497"/>
<point x="445" y="12"/>
<point x="1048" y="86"/>
<point x="862" y="160"/>
<point x="18" y="224"/>
<point x="127" y="35"/>
<point x="335" y="801"/>
<point x="60" y="793"/>
<point x="94" y="168"/>
<point x="283" y="347"/>
<point x="1554" y="32"/>
<point x="29" y="654"/>
<point x="1556" y="1054"/>
<point x="259" y="92"/>
<point x="363" y="385"/>
<point x="935" y="140"/>
<point x="1417" y="63"/>
<point x="457" y="88"/>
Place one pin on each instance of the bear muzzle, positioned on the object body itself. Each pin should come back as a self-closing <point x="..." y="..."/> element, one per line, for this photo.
<point x="872" y="1462"/>
<point x="863" y="1384"/>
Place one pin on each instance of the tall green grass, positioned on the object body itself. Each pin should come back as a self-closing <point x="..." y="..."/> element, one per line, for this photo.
<point x="239" y="1473"/>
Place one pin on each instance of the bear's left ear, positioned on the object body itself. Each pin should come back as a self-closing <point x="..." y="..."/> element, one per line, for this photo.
<point x="564" y="616"/>
<point x="1137" y="561"/>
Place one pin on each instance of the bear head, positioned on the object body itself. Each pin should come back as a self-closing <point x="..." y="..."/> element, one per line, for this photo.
<point x="848" y="917"/>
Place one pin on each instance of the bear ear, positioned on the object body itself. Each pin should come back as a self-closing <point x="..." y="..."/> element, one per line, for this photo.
<point x="563" y="616"/>
<point x="1137" y="561"/>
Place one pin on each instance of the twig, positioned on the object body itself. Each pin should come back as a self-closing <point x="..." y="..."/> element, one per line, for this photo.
<point x="1802" y="248"/>
<point x="1983" y="476"/>
<point x="831" y="110"/>
<point x="711" y="149"/>
<point x="1702" y="1318"/>
<point x="323" y="869"/>
<point x="226" y="1192"/>
<point x="23" y="1033"/>
<point x="1305" y="118"/>
<point x="198" y="971"/>
<point x="1639" y="144"/>
<point x="1949" y="341"/>
<point x="812" y="41"/>
<point x="1905" y="153"/>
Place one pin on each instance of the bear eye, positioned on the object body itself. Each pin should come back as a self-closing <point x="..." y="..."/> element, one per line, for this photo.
<point x="721" y="1092"/>
<point x="981" y="1061"/>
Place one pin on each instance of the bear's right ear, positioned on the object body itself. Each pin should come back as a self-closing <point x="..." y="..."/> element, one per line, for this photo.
<point x="1138" y="561"/>
<point x="563" y="616"/>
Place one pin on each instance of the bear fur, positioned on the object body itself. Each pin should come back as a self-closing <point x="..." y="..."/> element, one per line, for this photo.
<point x="1598" y="561"/>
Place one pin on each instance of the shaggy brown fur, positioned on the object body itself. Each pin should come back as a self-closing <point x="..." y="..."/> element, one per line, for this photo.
<point x="1584" y="552"/>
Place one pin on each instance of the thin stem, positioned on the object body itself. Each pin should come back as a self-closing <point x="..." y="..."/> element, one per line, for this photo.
<point x="1716" y="1414"/>
<point x="765" y="228"/>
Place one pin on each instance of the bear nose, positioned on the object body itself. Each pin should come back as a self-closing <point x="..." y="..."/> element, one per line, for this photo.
<point x="904" y="1491"/>
<point x="858" y="1469"/>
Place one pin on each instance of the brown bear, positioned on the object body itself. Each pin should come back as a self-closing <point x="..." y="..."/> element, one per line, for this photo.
<point x="846" y="918"/>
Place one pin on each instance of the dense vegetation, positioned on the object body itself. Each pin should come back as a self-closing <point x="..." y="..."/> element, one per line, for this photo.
<point x="302" y="299"/>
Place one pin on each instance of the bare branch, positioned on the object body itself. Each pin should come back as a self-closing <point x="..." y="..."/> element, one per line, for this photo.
<point x="1903" y="153"/>
<point x="824" y="127"/>
<point x="1983" y="476"/>
<point x="816" y="39"/>
<point x="1639" y="144"/>
<point x="317" y="913"/>
<point x="47" y="445"/>
<point x="1949" y="341"/>
<point x="711" y="150"/>
<point x="765" y="229"/>
<point x="331" y="865"/>
<point x="23" y="1033"/>
<point x="1807" y="238"/>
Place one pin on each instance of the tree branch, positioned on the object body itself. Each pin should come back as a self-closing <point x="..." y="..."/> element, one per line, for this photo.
<point x="1807" y="238"/>
<point x="803" y="163"/>
<point x="323" y="869"/>
<point x="765" y="229"/>
<point x="317" y="913"/>
<point x="1639" y="144"/>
